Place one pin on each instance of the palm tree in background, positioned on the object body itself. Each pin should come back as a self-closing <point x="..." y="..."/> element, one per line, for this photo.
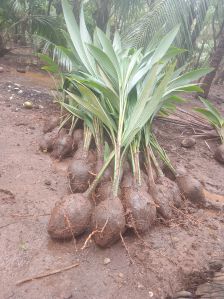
<point x="139" y="22"/>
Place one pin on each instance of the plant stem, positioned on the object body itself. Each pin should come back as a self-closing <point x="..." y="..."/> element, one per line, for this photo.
<point x="99" y="175"/>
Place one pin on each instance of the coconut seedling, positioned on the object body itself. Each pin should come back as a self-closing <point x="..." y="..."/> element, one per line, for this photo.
<point x="122" y="88"/>
<point x="48" y="140"/>
<point x="214" y="117"/>
<point x="164" y="192"/>
<point x="82" y="168"/>
<point x="140" y="208"/>
<point x="64" y="144"/>
<point x="71" y="216"/>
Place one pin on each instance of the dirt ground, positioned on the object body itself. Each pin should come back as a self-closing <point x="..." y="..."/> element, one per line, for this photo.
<point x="31" y="182"/>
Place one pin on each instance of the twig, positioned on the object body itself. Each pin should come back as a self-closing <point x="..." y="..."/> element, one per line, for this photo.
<point x="29" y="215"/>
<point x="46" y="274"/>
<point x="126" y="248"/>
<point x="208" y="146"/>
<point x="5" y="225"/>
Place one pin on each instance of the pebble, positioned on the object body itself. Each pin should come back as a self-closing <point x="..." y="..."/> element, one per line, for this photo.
<point x="188" y="142"/>
<point x="140" y="286"/>
<point x="1" y="69"/>
<point x="20" y="92"/>
<point x="47" y="182"/>
<point x="21" y="69"/>
<point x="106" y="261"/>
<point x="121" y="275"/>
<point x="151" y="294"/>
<point x="28" y="105"/>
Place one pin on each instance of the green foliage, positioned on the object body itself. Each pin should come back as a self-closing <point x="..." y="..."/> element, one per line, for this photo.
<point x="213" y="116"/>
<point x="123" y="87"/>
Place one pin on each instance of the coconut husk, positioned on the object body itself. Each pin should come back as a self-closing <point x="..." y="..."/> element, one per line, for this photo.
<point x="51" y="123"/>
<point x="48" y="140"/>
<point x="219" y="153"/>
<point x="62" y="147"/>
<point x="70" y="217"/>
<point x="191" y="189"/>
<point x="108" y="220"/>
<point x="81" y="171"/>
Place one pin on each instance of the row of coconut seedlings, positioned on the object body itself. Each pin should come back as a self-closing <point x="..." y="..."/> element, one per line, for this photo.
<point x="117" y="91"/>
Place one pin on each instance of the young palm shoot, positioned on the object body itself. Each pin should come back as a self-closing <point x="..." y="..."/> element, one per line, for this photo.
<point x="82" y="167"/>
<point x="214" y="117"/>
<point x="64" y="145"/>
<point x="164" y="191"/>
<point x="139" y="205"/>
<point x="124" y="89"/>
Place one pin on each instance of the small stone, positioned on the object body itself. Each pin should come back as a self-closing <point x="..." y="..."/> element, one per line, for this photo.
<point x="182" y="294"/>
<point x="188" y="142"/>
<point x="20" y="92"/>
<point x="106" y="261"/>
<point x="140" y="286"/>
<point x="151" y="294"/>
<point x="1" y="69"/>
<point x="16" y="88"/>
<point x="121" y="275"/>
<point x="9" y="86"/>
<point x="28" y="105"/>
<point x="47" y="182"/>
<point x="175" y="239"/>
<point x="21" y="70"/>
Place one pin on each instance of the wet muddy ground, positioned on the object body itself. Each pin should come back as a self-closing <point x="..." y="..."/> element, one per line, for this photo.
<point x="165" y="261"/>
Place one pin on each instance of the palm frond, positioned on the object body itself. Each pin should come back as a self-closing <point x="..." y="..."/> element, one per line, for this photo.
<point x="167" y="14"/>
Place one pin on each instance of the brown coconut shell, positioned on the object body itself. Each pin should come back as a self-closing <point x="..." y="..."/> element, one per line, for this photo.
<point x="51" y="123"/>
<point x="104" y="191"/>
<point x="166" y="195"/>
<point x="128" y="180"/>
<point x="48" y="140"/>
<point x="77" y="138"/>
<point x="140" y="208"/>
<point x="70" y="217"/>
<point x="62" y="147"/>
<point x="108" y="220"/>
<point x="219" y="154"/>
<point x="81" y="171"/>
<point x="191" y="189"/>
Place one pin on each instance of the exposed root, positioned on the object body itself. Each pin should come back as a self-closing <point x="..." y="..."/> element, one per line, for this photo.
<point x="46" y="274"/>
<point x="133" y="226"/>
<point x="126" y="248"/>
<point x="70" y="228"/>
<point x="89" y="238"/>
<point x="92" y="234"/>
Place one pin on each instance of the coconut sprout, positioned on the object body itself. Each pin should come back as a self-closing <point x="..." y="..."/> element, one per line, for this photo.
<point x="214" y="117"/>
<point x="117" y="91"/>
